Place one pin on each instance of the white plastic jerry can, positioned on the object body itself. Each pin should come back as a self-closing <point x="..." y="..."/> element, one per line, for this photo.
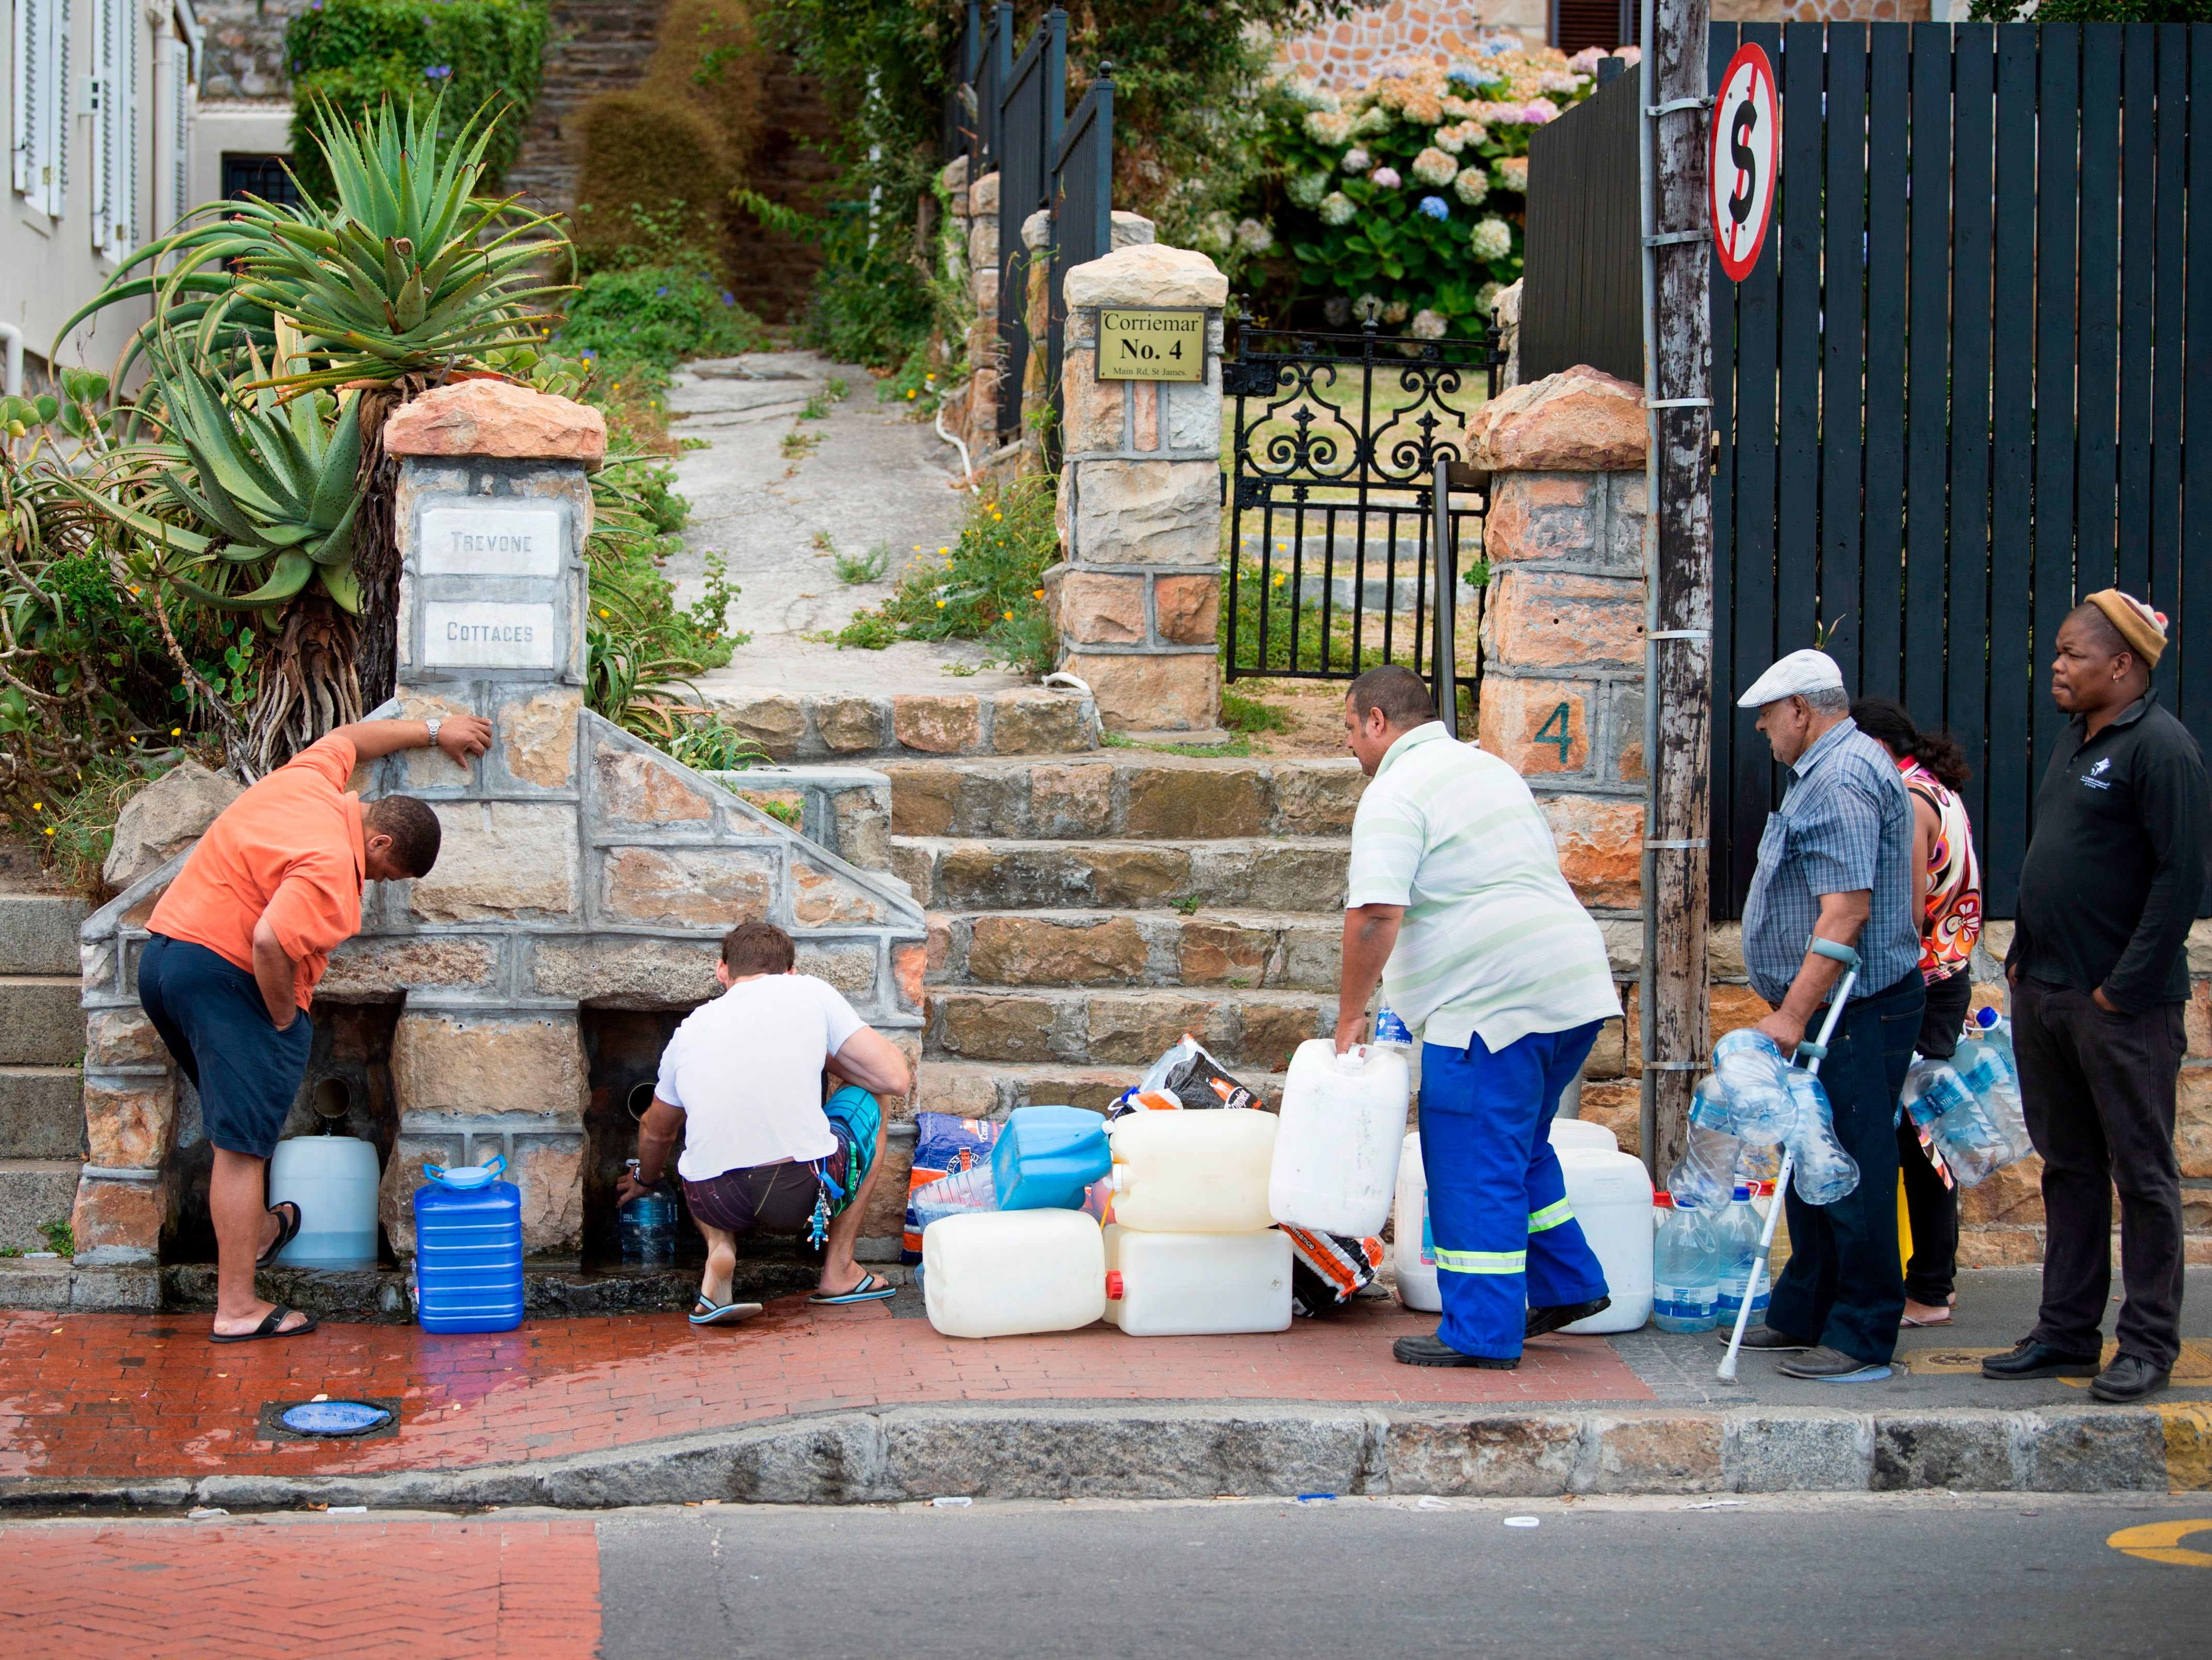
<point x="1413" y="1250"/>
<point x="1192" y="1172"/>
<point x="1577" y="1132"/>
<point x="1187" y="1285"/>
<point x="1000" y="1274"/>
<point x="1336" y="1153"/>
<point x="1611" y="1193"/>
<point x="333" y="1180"/>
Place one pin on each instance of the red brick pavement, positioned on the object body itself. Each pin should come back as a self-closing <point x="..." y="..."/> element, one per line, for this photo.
<point x="461" y="1590"/>
<point x="122" y="1396"/>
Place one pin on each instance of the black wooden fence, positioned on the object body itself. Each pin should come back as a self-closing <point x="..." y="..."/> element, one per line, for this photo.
<point x="1968" y="380"/>
<point x="1583" y="299"/>
<point x="1032" y="110"/>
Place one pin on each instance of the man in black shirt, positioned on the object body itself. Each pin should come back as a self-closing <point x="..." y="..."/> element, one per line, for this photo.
<point x="2099" y="972"/>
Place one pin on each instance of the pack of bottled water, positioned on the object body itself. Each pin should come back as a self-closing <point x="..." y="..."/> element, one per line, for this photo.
<point x="1969" y="1108"/>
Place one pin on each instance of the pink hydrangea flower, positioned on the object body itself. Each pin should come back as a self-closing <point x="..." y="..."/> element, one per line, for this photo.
<point x="1386" y="178"/>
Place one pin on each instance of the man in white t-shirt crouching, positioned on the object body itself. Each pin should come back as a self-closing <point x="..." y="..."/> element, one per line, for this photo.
<point x="741" y="1085"/>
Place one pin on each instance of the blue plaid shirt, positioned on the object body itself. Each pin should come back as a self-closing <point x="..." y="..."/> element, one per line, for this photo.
<point x="1845" y="825"/>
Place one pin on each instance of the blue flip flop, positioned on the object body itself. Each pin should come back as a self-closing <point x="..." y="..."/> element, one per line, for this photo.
<point x="870" y="1290"/>
<point x="704" y="1313"/>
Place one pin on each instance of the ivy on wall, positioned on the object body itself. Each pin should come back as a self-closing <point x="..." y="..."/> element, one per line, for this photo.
<point x="357" y="53"/>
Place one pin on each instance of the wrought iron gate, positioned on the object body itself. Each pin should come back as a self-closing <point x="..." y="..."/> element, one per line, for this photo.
<point x="1352" y="506"/>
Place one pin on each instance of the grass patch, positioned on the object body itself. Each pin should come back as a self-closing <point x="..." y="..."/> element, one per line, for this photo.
<point x="836" y="389"/>
<point x="816" y="408"/>
<point x="1237" y="749"/>
<point x="798" y="445"/>
<point x="868" y="631"/>
<point x="855" y="568"/>
<point x="1240" y="714"/>
<point x="79" y="828"/>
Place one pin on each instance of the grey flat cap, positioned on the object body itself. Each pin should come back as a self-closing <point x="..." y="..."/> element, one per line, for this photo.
<point x="1794" y="675"/>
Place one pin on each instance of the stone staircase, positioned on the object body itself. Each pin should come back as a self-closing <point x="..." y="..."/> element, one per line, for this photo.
<point x="593" y="46"/>
<point x="1089" y="908"/>
<point x="42" y="1141"/>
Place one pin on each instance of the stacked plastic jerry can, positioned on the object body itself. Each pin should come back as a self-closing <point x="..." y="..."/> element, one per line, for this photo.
<point x="1191" y="1249"/>
<point x="468" y="1249"/>
<point x="1022" y="1258"/>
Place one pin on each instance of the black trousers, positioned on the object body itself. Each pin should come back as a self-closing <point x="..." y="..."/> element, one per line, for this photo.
<point x="1841" y="1287"/>
<point x="1931" y="1208"/>
<point x="2098" y="1091"/>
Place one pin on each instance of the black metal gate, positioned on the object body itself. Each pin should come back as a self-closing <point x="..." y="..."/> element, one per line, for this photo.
<point x="1352" y="506"/>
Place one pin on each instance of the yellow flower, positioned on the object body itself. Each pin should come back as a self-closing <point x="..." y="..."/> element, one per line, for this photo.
<point x="947" y="552"/>
<point x="1036" y="593"/>
<point x="996" y="515"/>
<point x="940" y="604"/>
<point x="909" y="392"/>
<point x="50" y="829"/>
<point x="604" y="612"/>
<point x="176" y="731"/>
<point x="1010" y="617"/>
<point x="1279" y="579"/>
<point x="38" y="806"/>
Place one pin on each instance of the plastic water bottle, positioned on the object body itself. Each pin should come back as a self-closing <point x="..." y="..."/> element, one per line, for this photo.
<point x="1685" y="1268"/>
<point x="1390" y="1031"/>
<point x="1738" y="1228"/>
<point x="1825" y="1172"/>
<point x="648" y="1228"/>
<point x="1996" y="1032"/>
<point x="1758" y="1163"/>
<point x="1989" y="1072"/>
<point x="970" y="1189"/>
<point x="1969" y="1108"/>
<point x="1706" y="1171"/>
<point x="1754" y="1080"/>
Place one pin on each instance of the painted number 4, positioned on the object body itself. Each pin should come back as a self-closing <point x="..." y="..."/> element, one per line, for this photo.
<point x="1558" y="729"/>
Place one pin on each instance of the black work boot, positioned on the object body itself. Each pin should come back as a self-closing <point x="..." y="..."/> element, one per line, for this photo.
<point x="1544" y="1320"/>
<point x="1434" y="1352"/>
<point x="2031" y="1358"/>
<point x="2130" y="1378"/>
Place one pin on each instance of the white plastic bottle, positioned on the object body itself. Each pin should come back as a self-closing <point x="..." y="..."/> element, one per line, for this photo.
<point x="1413" y="1247"/>
<point x="1335" y="1163"/>
<point x="1192" y="1172"/>
<point x="1186" y="1285"/>
<point x="1003" y="1273"/>
<point x="1737" y="1229"/>
<point x="1684" y="1269"/>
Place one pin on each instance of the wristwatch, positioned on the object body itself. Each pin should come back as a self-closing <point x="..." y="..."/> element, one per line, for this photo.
<point x="433" y="723"/>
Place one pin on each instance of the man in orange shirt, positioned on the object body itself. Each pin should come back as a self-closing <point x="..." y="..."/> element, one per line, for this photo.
<point x="241" y="939"/>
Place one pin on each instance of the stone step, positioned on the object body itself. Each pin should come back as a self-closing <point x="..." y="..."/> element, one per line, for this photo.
<point x="33" y="1192"/>
<point x="1117" y="792"/>
<point x="41" y="1112"/>
<point x="972" y="1089"/>
<point x="41" y="1024"/>
<point x="1306" y="873"/>
<point x="1132" y="1029"/>
<point x="38" y="931"/>
<point x="792" y="726"/>
<point x="1225" y="949"/>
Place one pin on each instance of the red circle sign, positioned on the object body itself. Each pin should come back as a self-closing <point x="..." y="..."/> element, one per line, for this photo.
<point x="1745" y="163"/>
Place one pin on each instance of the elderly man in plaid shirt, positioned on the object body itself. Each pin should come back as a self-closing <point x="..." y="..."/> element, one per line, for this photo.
<point x="1836" y="864"/>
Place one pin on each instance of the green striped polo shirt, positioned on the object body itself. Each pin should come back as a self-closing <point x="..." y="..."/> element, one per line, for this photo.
<point x="1493" y="940"/>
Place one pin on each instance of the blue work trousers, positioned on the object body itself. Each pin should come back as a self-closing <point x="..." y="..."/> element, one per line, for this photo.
<point x="1504" y="1237"/>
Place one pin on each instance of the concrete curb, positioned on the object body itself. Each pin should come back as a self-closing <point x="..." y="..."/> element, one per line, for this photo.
<point x="1196" y="1451"/>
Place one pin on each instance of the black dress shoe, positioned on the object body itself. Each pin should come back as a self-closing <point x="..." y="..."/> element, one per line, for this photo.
<point x="1765" y="1337"/>
<point x="1543" y="1320"/>
<point x="1434" y="1352"/>
<point x="1827" y="1365"/>
<point x="2130" y="1378"/>
<point x="2030" y="1358"/>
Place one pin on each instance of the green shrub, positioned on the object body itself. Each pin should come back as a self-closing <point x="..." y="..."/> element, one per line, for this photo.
<point x="357" y="53"/>
<point x="870" y="302"/>
<point x="657" y="315"/>
<point x="988" y="588"/>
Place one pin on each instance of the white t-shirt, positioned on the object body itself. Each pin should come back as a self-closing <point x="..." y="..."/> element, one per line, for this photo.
<point x="746" y="1069"/>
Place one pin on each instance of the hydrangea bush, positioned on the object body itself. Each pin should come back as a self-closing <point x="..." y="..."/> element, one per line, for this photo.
<point x="1407" y="198"/>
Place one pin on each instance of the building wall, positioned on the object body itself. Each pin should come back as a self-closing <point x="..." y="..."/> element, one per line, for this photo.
<point x="1344" y="53"/>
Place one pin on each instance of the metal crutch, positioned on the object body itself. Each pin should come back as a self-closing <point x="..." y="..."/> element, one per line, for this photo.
<point x="1817" y="1053"/>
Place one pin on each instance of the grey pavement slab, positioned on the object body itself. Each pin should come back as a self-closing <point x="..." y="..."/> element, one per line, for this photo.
<point x="875" y="479"/>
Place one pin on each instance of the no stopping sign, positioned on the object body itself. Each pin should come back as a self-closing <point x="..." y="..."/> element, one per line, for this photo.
<point x="1745" y="162"/>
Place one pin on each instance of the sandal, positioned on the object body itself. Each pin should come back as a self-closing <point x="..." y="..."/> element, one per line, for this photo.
<point x="287" y="1231"/>
<point x="870" y="1290"/>
<point x="704" y="1313"/>
<point x="272" y="1326"/>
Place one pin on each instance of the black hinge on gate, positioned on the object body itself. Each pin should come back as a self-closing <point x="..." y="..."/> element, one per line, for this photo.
<point x="1240" y="379"/>
<point x="1251" y="492"/>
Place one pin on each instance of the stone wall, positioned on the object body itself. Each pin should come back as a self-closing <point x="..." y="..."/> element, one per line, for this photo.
<point x="1346" y="51"/>
<point x="243" y="50"/>
<point x="1136" y="599"/>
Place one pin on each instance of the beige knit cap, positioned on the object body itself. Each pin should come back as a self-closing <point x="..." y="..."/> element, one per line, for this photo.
<point x="2143" y="629"/>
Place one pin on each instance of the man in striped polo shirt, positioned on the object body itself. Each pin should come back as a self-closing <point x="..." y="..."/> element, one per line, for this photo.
<point x="1458" y="906"/>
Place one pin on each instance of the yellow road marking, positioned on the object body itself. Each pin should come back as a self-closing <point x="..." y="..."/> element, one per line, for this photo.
<point x="2160" y="1542"/>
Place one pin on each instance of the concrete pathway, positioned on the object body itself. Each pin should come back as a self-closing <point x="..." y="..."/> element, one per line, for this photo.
<point x="875" y="479"/>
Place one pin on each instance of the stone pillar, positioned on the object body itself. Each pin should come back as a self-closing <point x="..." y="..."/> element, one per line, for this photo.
<point x="492" y="512"/>
<point x="980" y="423"/>
<point x="1563" y="630"/>
<point x="1138" y="596"/>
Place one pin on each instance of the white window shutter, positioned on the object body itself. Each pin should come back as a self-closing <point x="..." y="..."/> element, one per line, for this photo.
<point x="113" y="84"/>
<point x="178" y="183"/>
<point x="54" y="117"/>
<point x="38" y="132"/>
<point x="23" y="108"/>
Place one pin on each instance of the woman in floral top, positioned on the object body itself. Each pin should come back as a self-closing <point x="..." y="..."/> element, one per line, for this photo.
<point x="1950" y="923"/>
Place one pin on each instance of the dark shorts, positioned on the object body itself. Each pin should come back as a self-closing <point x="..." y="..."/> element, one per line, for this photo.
<point x="780" y="1198"/>
<point x="211" y="1013"/>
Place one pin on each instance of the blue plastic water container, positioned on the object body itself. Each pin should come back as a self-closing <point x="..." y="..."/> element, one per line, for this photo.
<point x="468" y="1249"/>
<point x="1047" y="1156"/>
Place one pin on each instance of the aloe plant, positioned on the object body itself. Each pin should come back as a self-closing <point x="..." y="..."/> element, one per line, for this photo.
<point x="408" y="271"/>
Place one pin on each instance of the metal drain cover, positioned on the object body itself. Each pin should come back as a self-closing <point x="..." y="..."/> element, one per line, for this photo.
<point x="357" y="1419"/>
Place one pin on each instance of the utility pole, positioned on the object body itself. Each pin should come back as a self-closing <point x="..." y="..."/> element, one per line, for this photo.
<point x="1679" y="561"/>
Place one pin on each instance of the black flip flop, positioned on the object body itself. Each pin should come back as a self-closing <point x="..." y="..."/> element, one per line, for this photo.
<point x="269" y="1328"/>
<point x="286" y="1232"/>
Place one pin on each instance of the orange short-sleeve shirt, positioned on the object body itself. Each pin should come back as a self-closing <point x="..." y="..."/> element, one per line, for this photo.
<point x="290" y="849"/>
